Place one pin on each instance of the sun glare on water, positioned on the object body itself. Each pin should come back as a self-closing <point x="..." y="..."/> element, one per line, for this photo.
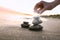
<point x="9" y="17"/>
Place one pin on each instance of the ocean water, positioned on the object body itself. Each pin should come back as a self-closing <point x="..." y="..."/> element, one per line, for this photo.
<point x="10" y="19"/>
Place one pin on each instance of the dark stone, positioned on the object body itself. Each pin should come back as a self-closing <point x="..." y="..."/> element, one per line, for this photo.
<point x="25" y="25"/>
<point x="25" y="22"/>
<point x="36" y="28"/>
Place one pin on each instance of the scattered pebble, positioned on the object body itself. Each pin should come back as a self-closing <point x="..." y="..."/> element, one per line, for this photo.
<point x="25" y="25"/>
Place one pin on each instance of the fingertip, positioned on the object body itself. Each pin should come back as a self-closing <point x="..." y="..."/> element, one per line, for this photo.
<point x="43" y="10"/>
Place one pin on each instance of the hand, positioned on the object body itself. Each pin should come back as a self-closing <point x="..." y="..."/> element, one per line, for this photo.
<point x="42" y="6"/>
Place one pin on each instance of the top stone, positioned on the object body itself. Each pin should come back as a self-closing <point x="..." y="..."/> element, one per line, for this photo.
<point x="36" y="20"/>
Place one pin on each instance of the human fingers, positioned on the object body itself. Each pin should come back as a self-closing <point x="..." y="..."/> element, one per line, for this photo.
<point x="42" y="10"/>
<point x="39" y="6"/>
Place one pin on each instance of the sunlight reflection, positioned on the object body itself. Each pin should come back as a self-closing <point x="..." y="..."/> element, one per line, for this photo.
<point x="44" y="19"/>
<point x="9" y="19"/>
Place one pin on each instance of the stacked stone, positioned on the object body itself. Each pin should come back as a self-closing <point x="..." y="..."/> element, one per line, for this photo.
<point x="36" y="24"/>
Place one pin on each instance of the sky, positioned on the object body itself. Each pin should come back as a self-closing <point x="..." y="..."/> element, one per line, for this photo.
<point x="26" y="6"/>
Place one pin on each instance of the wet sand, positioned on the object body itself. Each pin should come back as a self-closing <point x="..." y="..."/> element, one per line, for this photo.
<point x="51" y="31"/>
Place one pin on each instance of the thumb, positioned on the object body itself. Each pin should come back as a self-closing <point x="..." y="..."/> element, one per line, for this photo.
<point x="42" y="10"/>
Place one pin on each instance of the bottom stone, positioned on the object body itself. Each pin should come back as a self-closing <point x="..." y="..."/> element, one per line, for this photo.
<point x="36" y="28"/>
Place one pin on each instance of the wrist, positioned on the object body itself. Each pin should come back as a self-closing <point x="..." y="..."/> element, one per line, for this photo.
<point x="56" y="2"/>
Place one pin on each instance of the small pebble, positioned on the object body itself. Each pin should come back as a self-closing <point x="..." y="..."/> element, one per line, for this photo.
<point x="25" y="25"/>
